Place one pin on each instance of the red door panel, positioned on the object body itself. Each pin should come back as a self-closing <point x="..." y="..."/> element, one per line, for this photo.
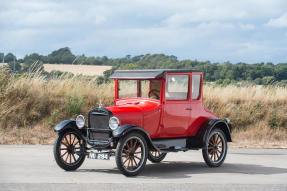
<point x="176" y="119"/>
<point x="176" y="110"/>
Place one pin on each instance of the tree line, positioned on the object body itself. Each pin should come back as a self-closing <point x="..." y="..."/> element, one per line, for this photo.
<point x="221" y="73"/>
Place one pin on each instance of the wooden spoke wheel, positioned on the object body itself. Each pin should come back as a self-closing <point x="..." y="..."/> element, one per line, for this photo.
<point x="155" y="156"/>
<point x="69" y="150"/>
<point x="131" y="154"/>
<point x="215" y="150"/>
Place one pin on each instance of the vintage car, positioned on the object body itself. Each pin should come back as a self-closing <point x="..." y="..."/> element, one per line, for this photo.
<point x="155" y="112"/>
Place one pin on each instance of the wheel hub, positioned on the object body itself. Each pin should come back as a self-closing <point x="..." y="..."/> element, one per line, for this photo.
<point x="71" y="149"/>
<point x="131" y="154"/>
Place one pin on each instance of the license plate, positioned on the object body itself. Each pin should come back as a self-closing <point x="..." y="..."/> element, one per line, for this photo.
<point x="101" y="156"/>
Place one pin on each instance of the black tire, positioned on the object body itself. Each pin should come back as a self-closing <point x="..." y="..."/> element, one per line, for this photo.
<point x="131" y="148"/>
<point x="155" y="156"/>
<point x="215" y="149"/>
<point x="65" y="150"/>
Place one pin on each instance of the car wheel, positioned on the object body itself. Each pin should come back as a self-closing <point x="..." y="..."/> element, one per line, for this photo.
<point x="155" y="156"/>
<point x="215" y="149"/>
<point x="131" y="154"/>
<point x="69" y="150"/>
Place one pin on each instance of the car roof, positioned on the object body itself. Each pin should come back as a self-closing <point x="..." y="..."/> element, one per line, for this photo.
<point x="146" y="73"/>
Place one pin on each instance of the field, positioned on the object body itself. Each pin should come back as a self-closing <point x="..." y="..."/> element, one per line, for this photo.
<point x="31" y="106"/>
<point x="88" y="70"/>
<point x="3" y="64"/>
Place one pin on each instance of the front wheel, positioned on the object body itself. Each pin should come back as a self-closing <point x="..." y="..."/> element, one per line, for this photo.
<point x="69" y="150"/>
<point x="215" y="149"/>
<point x="131" y="154"/>
<point x="155" y="156"/>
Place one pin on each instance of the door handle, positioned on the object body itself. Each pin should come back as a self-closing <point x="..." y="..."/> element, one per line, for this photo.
<point x="189" y="108"/>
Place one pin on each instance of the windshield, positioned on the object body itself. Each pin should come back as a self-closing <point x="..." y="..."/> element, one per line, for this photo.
<point x="139" y="88"/>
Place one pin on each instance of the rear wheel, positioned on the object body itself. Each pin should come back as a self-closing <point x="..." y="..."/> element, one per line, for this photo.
<point x="215" y="149"/>
<point x="69" y="150"/>
<point x="131" y="154"/>
<point x="155" y="156"/>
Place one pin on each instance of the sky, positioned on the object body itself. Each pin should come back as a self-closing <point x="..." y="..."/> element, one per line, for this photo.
<point x="248" y="31"/>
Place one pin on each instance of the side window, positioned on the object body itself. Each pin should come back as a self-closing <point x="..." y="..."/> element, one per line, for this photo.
<point x="176" y="87"/>
<point x="195" y="86"/>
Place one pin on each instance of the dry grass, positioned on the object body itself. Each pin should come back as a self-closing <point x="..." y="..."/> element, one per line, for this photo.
<point x="30" y="106"/>
<point x="88" y="70"/>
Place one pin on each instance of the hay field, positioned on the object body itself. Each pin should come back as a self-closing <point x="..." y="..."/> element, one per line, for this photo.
<point x="3" y="64"/>
<point x="88" y="70"/>
<point x="30" y="107"/>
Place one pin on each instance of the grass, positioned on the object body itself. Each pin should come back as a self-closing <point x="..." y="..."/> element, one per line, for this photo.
<point x="31" y="106"/>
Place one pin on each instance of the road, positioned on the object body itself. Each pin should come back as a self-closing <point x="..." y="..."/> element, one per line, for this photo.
<point x="32" y="167"/>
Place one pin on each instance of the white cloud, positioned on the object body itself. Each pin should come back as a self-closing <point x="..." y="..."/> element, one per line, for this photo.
<point x="279" y="21"/>
<point x="185" y="28"/>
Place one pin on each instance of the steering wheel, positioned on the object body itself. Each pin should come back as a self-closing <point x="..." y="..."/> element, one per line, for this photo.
<point x="155" y="92"/>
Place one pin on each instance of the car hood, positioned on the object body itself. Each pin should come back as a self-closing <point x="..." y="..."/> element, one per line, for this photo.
<point x="133" y="111"/>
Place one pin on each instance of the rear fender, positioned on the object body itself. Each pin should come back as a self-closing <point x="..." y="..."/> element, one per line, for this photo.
<point x="125" y="129"/>
<point x="207" y="127"/>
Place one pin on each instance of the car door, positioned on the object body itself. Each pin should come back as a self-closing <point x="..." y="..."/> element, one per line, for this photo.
<point x="176" y="106"/>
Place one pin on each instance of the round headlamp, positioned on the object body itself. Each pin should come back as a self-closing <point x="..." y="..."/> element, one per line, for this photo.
<point x="227" y="120"/>
<point x="114" y="123"/>
<point x="80" y="121"/>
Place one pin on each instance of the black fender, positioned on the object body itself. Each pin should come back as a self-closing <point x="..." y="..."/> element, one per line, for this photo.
<point x="125" y="129"/>
<point x="68" y="124"/>
<point x="207" y="127"/>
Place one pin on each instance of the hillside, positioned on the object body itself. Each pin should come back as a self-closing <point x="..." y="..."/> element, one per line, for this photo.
<point x="31" y="106"/>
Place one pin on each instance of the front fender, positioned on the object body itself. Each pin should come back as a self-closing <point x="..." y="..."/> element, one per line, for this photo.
<point x="63" y="125"/>
<point x="125" y="129"/>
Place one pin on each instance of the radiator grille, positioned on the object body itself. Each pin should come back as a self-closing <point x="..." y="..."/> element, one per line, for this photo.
<point x="98" y="122"/>
<point x="98" y="136"/>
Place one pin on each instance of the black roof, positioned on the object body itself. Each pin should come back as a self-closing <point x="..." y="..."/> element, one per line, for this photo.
<point x="146" y="74"/>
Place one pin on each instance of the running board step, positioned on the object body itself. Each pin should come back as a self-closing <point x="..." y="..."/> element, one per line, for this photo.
<point x="170" y="144"/>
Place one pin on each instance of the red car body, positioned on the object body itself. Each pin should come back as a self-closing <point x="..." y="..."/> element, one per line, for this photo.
<point x="164" y="118"/>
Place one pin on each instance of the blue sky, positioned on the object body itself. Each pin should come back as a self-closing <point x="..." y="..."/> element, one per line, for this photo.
<point x="216" y="30"/>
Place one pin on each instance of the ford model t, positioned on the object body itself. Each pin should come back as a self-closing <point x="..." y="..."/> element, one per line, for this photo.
<point x="154" y="112"/>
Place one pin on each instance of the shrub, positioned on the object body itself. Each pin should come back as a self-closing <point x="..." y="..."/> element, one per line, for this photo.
<point x="53" y="117"/>
<point x="74" y="105"/>
<point x="273" y="122"/>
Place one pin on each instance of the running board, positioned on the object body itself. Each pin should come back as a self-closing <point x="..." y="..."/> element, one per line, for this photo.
<point x="166" y="144"/>
<point x="176" y="144"/>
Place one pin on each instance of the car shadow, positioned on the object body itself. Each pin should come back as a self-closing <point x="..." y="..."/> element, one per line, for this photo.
<point x="187" y="169"/>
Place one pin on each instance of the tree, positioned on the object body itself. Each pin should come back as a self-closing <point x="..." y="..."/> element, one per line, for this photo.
<point x="62" y="55"/>
<point x="268" y="80"/>
<point x="1" y="57"/>
<point x="14" y="66"/>
<point x="9" y="58"/>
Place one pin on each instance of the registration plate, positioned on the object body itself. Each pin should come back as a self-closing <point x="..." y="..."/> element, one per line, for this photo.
<point x="101" y="156"/>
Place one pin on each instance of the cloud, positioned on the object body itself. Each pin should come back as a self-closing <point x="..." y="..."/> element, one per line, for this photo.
<point x="247" y="27"/>
<point x="197" y="29"/>
<point x="278" y="22"/>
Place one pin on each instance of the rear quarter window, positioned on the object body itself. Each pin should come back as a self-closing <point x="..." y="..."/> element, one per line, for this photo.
<point x="195" y="86"/>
